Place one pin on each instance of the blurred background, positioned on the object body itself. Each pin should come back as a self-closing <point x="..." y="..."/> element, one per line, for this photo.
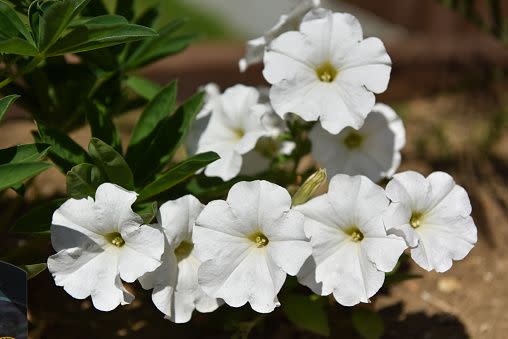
<point x="449" y="84"/>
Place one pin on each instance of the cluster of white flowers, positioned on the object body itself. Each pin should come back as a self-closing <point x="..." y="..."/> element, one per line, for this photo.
<point x="240" y="250"/>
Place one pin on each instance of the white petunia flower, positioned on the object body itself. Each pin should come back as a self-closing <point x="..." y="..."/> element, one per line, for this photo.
<point x="350" y="247"/>
<point x="235" y="125"/>
<point x="433" y="215"/>
<point x="373" y="150"/>
<point x="176" y="292"/>
<point x="98" y="242"/>
<point x="327" y="71"/>
<point x="255" y="48"/>
<point x="248" y="244"/>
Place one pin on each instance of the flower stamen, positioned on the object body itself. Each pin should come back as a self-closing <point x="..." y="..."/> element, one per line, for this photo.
<point x="326" y="72"/>
<point x="116" y="239"/>
<point x="259" y="239"/>
<point x="353" y="140"/>
<point x="355" y="233"/>
<point x="239" y="133"/>
<point x="416" y="219"/>
<point x="184" y="249"/>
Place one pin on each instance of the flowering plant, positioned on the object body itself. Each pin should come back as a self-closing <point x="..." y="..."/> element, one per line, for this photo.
<point x="233" y="221"/>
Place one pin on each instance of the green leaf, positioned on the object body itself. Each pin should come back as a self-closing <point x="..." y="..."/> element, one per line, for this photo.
<point x="158" y="109"/>
<point x="102" y="126"/>
<point x="177" y="174"/>
<point x="367" y="323"/>
<point x="23" y="153"/>
<point x="5" y="103"/>
<point x="38" y="219"/>
<point x="163" y="45"/>
<point x="33" y="270"/>
<point x="93" y="36"/>
<point x="111" y="163"/>
<point x="11" y="25"/>
<point x="64" y="152"/>
<point x="306" y="314"/>
<point x="83" y="180"/>
<point x="170" y="135"/>
<point x="17" y="46"/>
<point x="12" y="174"/>
<point x="147" y="211"/>
<point x="55" y="19"/>
<point x="143" y="87"/>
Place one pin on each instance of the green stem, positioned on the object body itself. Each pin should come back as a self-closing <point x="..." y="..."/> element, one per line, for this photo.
<point x="28" y="68"/>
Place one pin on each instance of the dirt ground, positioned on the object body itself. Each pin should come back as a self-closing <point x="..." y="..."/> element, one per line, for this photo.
<point x="461" y="132"/>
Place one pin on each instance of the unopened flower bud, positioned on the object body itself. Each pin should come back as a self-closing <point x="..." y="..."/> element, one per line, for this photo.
<point x="305" y="192"/>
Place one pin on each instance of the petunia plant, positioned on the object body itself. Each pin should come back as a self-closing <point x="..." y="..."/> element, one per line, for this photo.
<point x="213" y="202"/>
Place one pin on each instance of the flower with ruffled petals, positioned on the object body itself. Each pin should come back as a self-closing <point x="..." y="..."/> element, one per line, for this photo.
<point x="255" y="48"/>
<point x="248" y="244"/>
<point x="100" y="242"/>
<point x="373" y="150"/>
<point x="176" y="292"/>
<point x="433" y="215"/>
<point x="327" y="71"/>
<point x="350" y="248"/>
<point x="235" y="126"/>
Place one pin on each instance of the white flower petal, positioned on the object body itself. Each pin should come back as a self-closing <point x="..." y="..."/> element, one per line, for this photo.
<point x="307" y="276"/>
<point x="141" y="252"/>
<point x="90" y="271"/>
<point x="74" y="224"/>
<point x="288" y="246"/>
<point x="384" y="252"/>
<point x="113" y="206"/>
<point x="259" y="203"/>
<point x="177" y="218"/>
<point x="444" y="229"/>
<point x="367" y="64"/>
<point x="244" y="276"/>
<point x="226" y="168"/>
<point x="365" y="200"/>
<point x="396" y="219"/>
<point x="411" y="188"/>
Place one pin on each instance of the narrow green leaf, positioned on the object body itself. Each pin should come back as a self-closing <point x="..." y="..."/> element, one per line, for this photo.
<point x="5" y="103"/>
<point x="102" y="126"/>
<point x="83" y="180"/>
<point x="110" y="5"/>
<point x="12" y="174"/>
<point x="11" y="25"/>
<point x="55" y="19"/>
<point x="94" y="36"/>
<point x="143" y="87"/>
<point x="111" y="163"/>
<point x="64" y="152"/>
<point x="170" y="134"/>
<point x="33" y="270"/>
<point x="17" y="46"/>
<point x="367" y="323"/>
<point x="147" y="211"/>
<point x="165" y="44"/>
<point x="38" y="219"/>
<point x="158" y="109"/>
<point x="177" y="174"/>
<point x="23" y="153"/>
<point x="105" y="20"/>
<point x="306" y="314"/>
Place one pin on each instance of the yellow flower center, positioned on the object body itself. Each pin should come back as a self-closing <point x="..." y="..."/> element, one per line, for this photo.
<point x="326" y="72"/>
<point x="184" y="249"/>
<point x="416" y="219"/>
<point x="259" y="239"/>
<point x="116" y="239"/>
<point x="239" y="133"/>
<point x="355" y="233"/>
<point x="353" y="140"/>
